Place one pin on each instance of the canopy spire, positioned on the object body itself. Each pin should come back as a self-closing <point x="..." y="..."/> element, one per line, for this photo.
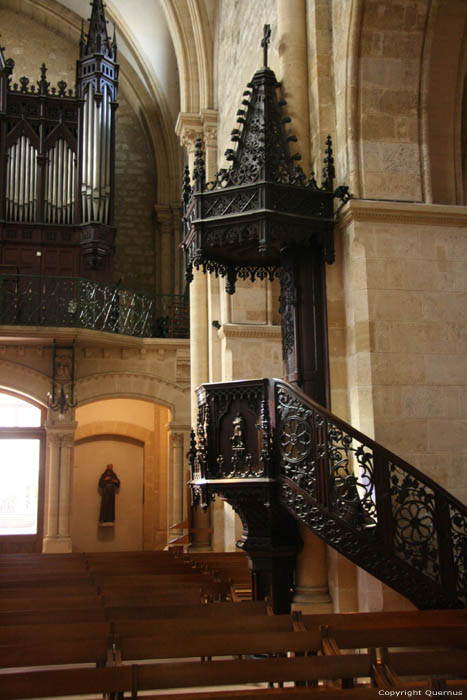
<point x="265" y="43"/>
<point x="98" y="41"/>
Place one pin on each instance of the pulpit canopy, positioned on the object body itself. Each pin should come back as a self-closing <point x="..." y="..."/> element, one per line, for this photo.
<point x="241" y="224"/>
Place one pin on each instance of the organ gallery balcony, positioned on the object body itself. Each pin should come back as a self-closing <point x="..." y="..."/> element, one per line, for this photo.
<point x="76" y="302"/>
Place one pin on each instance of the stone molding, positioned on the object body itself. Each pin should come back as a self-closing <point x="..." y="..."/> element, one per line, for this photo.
<point x="63" y="435"/>
<point x="243" y="330"/>
<point x="176" y="439"/>
<point x="164" y="214"/>
<point x="210" y="118"/>
<point x="90" y="339"/>
<point x="178" y="427"/>
<point x="188" y="128"/>
<point x="416" y="213"/>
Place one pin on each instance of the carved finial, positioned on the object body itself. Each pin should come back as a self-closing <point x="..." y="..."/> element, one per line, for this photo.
<point x="43" y="85"/>
<point x="98" y="38"/>
<point x="6" y="65"/>
<point x="192" y="451"/>
<point x="329" y="172"/>
<point x="186" y="188"/>
<point x="199" y="172"/>
<point x="265" y="43"/>
<point x="24" y="82"/>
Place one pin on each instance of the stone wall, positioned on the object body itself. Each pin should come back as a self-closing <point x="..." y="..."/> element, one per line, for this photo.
<point x="406" y="323"/>
<point x="237" y="55"/>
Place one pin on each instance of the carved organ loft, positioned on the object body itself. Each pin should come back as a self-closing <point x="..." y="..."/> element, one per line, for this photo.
<point x="57" y="155"/>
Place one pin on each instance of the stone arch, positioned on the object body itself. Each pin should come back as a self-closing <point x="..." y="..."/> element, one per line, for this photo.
<point x="24" y="380"/>
<point x="191" y="36"/>
<point x="135" y="385"/>
<point x="156" y="466"/>
<point x="137" y="432"/>
<point x="443" y="83"/>
<point x="391" y="42"/>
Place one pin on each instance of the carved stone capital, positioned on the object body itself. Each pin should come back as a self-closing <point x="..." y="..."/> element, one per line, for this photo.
<point x="176" y="439"/>
<point x="210" y="119"/>
<point x="188" y="128"/>
<point x="163" y="213"/>
<point x="61" y="435"/>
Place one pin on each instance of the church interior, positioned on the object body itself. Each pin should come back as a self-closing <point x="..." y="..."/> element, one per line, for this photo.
<point x="233" y="340"/>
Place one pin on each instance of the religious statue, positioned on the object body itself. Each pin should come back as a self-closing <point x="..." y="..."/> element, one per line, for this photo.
<point x="109" y="483"/>
<point x="238" y="437"/>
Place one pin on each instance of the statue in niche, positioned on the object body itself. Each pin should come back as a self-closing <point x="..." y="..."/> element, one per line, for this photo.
<point x="109" y="483"/>
<point x="238" y="437"/>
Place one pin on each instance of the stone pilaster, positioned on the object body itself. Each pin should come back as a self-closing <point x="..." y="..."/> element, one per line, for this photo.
<point x="57" y="517"/>
<point x="189" y="128"/>
<point x="164" y="247"/>
<point x="179" y="444"/>
<point x="291" y="26"/>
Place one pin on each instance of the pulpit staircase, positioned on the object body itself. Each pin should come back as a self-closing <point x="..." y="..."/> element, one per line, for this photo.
<point x="278" y="457"/>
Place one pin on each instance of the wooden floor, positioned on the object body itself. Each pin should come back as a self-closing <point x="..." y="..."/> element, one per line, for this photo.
<point x="159" y="623"/>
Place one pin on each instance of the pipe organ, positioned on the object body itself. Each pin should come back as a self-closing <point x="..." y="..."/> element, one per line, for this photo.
<point x="57" y="155"/>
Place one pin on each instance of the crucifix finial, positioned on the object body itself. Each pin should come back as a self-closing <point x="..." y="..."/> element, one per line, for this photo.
<point x="265" y="43"/>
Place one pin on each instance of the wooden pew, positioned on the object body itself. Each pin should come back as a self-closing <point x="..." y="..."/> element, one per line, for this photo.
<point x="221" y="611"/>
<point x="95" y="611"/>
<point x="66" y="652"/>
<point x="44" y="602"/>
<point x="228" y="643"/>
<point x="178" y="675"/>
<point x="54" y="632"/>
<point x="449" y="636"/>
<point x="199" y="625"/>
<point x="414" y="618"/>
<point x="50" y="615"/>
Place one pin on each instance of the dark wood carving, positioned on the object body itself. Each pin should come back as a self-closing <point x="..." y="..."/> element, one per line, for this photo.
<point x="262" y="218"/>
<point x="366" y="502"/>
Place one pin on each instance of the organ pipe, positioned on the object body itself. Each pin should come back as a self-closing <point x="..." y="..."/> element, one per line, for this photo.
<point x="60" y="184"/>
<point x="21" y="181"/>
<point x="96" y="168"/>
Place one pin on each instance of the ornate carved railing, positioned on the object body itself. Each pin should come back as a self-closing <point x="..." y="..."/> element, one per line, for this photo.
<point x="76" y="302"/>
<point x="360" y="498"/>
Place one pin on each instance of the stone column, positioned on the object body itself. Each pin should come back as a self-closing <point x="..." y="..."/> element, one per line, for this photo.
<point x="189" y="128"/>
<point x="179" y="443"/>
<point x="293" y="63"/>
<point x="312" y="591"/>
<point x="165" y="232"/>
<point x="57" y="515"/>
<point x="179" y="272"/>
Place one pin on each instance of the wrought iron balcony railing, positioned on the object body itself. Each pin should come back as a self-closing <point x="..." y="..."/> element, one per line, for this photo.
<point x="75" y="302"/>
<point x="363" y="500"/>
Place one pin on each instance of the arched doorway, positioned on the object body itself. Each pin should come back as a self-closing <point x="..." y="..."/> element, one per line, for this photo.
<point x="22" y="453"/>
<point x="92" y="455"/>
<point x="132" y="434"/>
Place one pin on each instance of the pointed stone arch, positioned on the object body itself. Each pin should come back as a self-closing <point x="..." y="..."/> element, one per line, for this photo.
<point x="191" y="35"/>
